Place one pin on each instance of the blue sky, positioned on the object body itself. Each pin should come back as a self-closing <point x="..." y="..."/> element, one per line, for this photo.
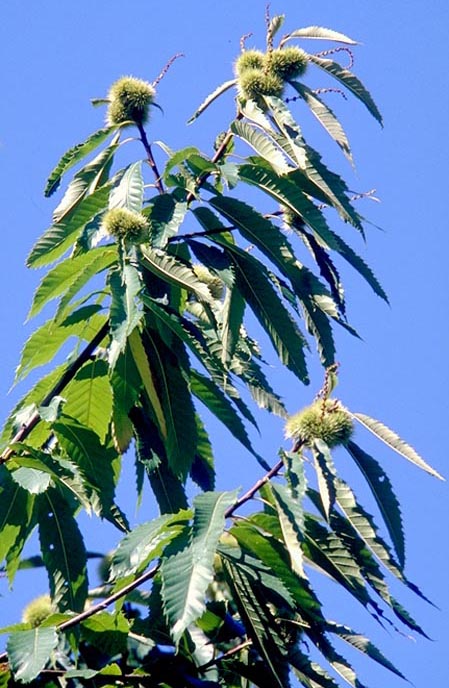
<point x="56" y="56"/>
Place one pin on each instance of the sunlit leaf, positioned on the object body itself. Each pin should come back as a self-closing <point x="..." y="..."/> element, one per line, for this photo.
<point x="128" y="193"/>
<point x="210" y="99"/>
<point x="263" y="146"/>
<point x="174" y="271"/>
<point x="350" y="81"/>
<point x="319" y="32"/>
<point x="29" y="652"/>
<point x="145" y="542"/>
<point x="57" y="239"/>
<point x="74" y="155"/>
<point x="89" y="397"/>
<point x="325" y="116"/>
<point x="393" y="440"/>
<point x="125" y="313"/>
<point x="187" y="573"/>
<point x="166" y="215"/>
<point x="46" y="341"/>
<point x="66" y="274"/>
<point x="363" y="645"/>
<point x="326" y="475"/>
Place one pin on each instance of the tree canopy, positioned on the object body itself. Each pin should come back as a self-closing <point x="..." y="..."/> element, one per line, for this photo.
<point x="176" y="277"/>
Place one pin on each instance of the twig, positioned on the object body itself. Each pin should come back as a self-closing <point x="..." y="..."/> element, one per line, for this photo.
<point x="225" y="655"/>
<point x="150" y="157"/>
<point x="193" y="235"/>
<point x="255" y="488"/>
<point x="74" y="621"/>
<point x="102" y="678"/>
<point x="243" y="40"/>
<point x="218" y="155"/>
<point x="166" y="68"/>
<point x="331" y="51"/>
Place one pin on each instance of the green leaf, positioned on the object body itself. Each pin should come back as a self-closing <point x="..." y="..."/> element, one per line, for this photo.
<point x="128" y="193"/>
<point x="210" y="99"/>
<point x="318" y="32"/>
<point x="232" y="319"/>
<point x="146" y="373"/>
<point x="89" y="178"/>
<point x="98" y="464"/>
<point x="363" y="645"/>
<point x="57" y="239"/>
<point x="261" y="391"/>
<point x="16" y="521"/>
<point x="311" y="674"/>
<point x="314" y="298"/>
<point x="360" y="534"/>
<point x="262" y="144"/>
<point x="32" y="480"/>
<point x="170" y="367"/>
<point x="166" y="215"/>
<point x="29" y="652"/>
<point x="107" y="632"/>
<point x="29" y="404"/>
<point x="174" y="271"/>
<point x="126" y="384"/>
<point x="71" y="275"/>
<point x="187" y="573"/>
<point x="61" y="471"/>
<point x="168" y="489"/>
<point x="259" y="625"/>
<point x="89" y="397"/>
<point x="46" y="341"/>
<point x="287" y="193"/>
<point x="145" y="542"/>
<point x="291" y="519"/>
<point x="326" y="475"/>
<point x="216" y="402"/>
<point x="392" y="440"/>
<point x="202" y="471"/>
<point x="63" y="552"/>
<point x="384" y="495"/>
<point x="358" y="264"/>
<point x="338" y="663"/>
<point x="191" y="335"/>
<point x="350" y="81"/>
<point x="125" y="314"/>
<point x="325" y="116"/>
<point x="326" y="551"/>
<point x="254" y="284"/>
<point x="74" y="155"/>
<point x="311" y="175"/>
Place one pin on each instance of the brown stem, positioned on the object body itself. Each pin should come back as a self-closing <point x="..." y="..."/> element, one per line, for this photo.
<point x="255" y="488"/>
<point x="108" y="601"/>
<point x="225" y="655"/>
<point x="218" y="155"/>
<point x="205" y="233"/>
<point x="100" y="679"/>
<point x="150" y="157"/>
